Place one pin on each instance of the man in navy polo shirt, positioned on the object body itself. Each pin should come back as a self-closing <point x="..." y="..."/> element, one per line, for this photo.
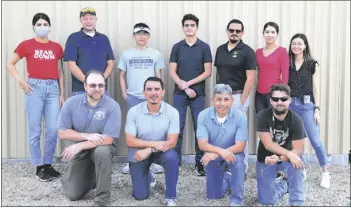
<point x="222" y="134"/>
<point x="92" y="121"/>
<point x="236" y="66"/>
<point x="87" y="49"/>
<point x="190" y="64"/>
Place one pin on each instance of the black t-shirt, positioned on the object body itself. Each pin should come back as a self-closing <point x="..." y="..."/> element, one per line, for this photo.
<point x="283" y="132"/>
<point x="232" y="65"/>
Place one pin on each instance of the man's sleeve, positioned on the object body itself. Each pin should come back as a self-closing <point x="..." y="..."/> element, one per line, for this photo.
<point x="207" y="54"/>
<point x="130" y="126"/>
<point x="297" y="128"/>
<point x="174" y="123"/>
<point x="262" y="123"/>
<point x="242" y="131"/>
<point x="122" y="63"/>
<point x="110" y="55"/>
<point x="71" y="49"/>
<point x="250" y="60"/>
<point x="174" y="54"/>
<point x="202" y="131"/>
<point x="64" y="120"/>
<point x="160" y="64"/>
<point x="113" y="123"/>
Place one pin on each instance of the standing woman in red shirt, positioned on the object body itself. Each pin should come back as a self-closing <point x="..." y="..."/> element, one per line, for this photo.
<point x="273" y="66"/>
<point x="305" y="95"/>
<point x="43" y="92"/>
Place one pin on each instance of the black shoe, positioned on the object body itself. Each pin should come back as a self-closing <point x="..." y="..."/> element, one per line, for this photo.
<point x="200" y="169"/>
<point x="100" y="204"/>
<point x="52" y="172"/>
<point x="43" y="174"/>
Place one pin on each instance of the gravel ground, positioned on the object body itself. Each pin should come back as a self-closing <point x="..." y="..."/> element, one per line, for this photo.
<point x="20" y="187"/>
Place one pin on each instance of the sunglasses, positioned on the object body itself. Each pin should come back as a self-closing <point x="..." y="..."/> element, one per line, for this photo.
<point x="236" y="31"/>
<point x="88" y="9"/>
<point x="94" y="85"/>
<point x="283" y="99"/>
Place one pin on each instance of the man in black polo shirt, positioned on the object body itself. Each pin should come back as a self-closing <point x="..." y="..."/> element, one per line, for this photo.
<point x="236" y="66"/>
<point x="190" y="64"/>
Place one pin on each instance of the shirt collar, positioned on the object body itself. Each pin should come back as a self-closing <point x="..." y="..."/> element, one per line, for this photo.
<point x="197" y="42"/>
<point x="99" y="104"/>
<point x="84" y="34"/>
<point x="238" y="46"/>
<point x="145" y="110"/>
<point x="214" y="115"/>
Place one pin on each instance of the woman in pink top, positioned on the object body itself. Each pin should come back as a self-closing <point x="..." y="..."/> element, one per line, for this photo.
<point x="273" y="66"/>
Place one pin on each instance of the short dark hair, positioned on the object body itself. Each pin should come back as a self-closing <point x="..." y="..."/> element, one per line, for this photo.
<point x="154" y="79"/>
<point x="141" y="24"/>
<point x="280" y="87"/>
<point x="93" y="71"/>
<point x="273" y="24"/>
<point x="39" y="16"/>
<point x="190" y="17"/>
<point x="237" y="22"/>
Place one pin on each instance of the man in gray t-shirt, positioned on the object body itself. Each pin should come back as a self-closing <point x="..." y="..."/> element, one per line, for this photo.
<point x="152" y="129"/>
<point x="139" y="63"/>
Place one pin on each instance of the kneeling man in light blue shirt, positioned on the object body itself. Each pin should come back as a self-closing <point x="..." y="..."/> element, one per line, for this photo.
<point x="152" y="129"/>
<point x="222" y="133"/>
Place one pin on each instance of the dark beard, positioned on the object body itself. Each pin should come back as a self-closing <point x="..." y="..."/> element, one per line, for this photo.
<point x="278" y="112"/>
<point x="233" y="41"/>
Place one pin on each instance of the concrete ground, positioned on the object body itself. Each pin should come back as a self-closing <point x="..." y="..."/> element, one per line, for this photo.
<point x="20" y="187"/>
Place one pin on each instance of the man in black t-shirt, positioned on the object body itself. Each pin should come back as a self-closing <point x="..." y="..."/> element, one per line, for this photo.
<point x="282" y="136"/>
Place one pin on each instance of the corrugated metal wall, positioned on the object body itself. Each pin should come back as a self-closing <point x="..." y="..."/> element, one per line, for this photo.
<point x="327" y="25"/>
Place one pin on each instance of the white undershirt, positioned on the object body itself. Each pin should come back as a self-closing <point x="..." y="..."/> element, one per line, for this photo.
<point x="92" y="33"/>
<point x="221" y="120"/>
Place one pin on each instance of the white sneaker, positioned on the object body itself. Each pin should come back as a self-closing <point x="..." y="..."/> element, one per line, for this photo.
<point x="170" y="202"/>
<point x="125" y="169"/>
<point x="155" y="168"/>
<point x="153" y="180"/>
<point x="325" y="183"/>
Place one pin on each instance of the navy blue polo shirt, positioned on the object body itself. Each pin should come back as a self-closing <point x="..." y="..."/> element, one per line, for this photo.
<point x="232" y="65"/>
<point x="190" y="63"/>
<point x="89" y="53"/>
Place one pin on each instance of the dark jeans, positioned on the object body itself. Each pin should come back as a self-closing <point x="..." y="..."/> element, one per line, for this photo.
<point x="197" y="104"/>
<point x="139" y="172"/>
<point x="262" y="101"/>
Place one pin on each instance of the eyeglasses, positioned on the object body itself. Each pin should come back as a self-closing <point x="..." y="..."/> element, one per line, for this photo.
<point x="96" y="85"/>
<point x="236" y="31"/>
<point x="283" y="99"/>
<point x="189" y="25"/>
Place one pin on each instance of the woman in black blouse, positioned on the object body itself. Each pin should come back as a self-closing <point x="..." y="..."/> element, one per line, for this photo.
<point x="304" y="84"/>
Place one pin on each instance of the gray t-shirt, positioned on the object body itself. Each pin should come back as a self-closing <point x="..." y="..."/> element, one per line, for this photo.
<point x="140" y="65"/>
<point x="145" y="126"/>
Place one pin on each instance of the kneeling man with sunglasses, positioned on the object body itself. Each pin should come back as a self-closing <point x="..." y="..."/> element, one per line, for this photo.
<point x="282" y="134"/>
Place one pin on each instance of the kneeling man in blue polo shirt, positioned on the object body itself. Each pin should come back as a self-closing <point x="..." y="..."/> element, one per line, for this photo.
<point x="93" y="122"/>
<point x="222" y="134"/>
<point x="152" y="129"/>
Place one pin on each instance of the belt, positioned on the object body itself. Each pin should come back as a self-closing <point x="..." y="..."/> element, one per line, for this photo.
<point x="237" y="92"/>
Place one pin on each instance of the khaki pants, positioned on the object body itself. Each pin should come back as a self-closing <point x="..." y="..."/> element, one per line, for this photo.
<point x="88" y="170"/>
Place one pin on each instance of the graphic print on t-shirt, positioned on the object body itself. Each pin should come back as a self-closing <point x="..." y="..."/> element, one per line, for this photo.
<point x="143" y="62"/>
<point x="280" y="136"/>
<point x="44" y="54"/>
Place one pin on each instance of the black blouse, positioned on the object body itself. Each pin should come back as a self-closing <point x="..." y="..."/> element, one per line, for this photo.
<point x="301" y="81"/>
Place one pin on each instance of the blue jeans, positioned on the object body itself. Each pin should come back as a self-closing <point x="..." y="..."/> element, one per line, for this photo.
<point x="237" y="105"/>
<point x="140" y="174"/>
<point x="44" y="101"/>
<point x="215" y="186"/>
<point x="271" y="190"/>
<point x="82" y="92"/>
<point x="197" y="104"/>
<point x="262" y="101"/>
<point x="132" y="100"/>
<point x="306" y="112"/>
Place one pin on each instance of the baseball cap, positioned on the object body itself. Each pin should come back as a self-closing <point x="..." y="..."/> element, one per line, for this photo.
<point x="87" y="10"/>
<point x="141" y="28"/>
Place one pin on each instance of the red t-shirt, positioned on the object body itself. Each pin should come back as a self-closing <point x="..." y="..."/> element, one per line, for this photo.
<point x="273" y="69"/>
<point x="42" y="58"/>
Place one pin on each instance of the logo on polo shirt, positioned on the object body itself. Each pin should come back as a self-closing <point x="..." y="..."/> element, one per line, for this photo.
<point x="235" y="53"/>
<point x="99" y="115"/>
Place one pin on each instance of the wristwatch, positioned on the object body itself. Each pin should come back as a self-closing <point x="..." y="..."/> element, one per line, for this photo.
<point x="316" y="107"/>
<point x="153" y="149"/>
<point x="279" y="160"/>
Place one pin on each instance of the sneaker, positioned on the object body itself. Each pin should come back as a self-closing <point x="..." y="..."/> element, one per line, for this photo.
<point x="155" y="168"/>
<point x="153" y="180"/>
<point x="43" y="175"/>
<point x="100" y="204"/>
<point x="170" y="202"/>
<point x="232" y="204"/>
<point x="53" y="172"/>
<point x="125" y="169"/>
<point x="200" y="169"/>
<point x="325" y="183"/>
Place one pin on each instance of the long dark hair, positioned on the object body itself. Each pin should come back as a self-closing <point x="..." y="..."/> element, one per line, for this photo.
<point x="306" y="53"/>
<point x="39" y="16"/>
